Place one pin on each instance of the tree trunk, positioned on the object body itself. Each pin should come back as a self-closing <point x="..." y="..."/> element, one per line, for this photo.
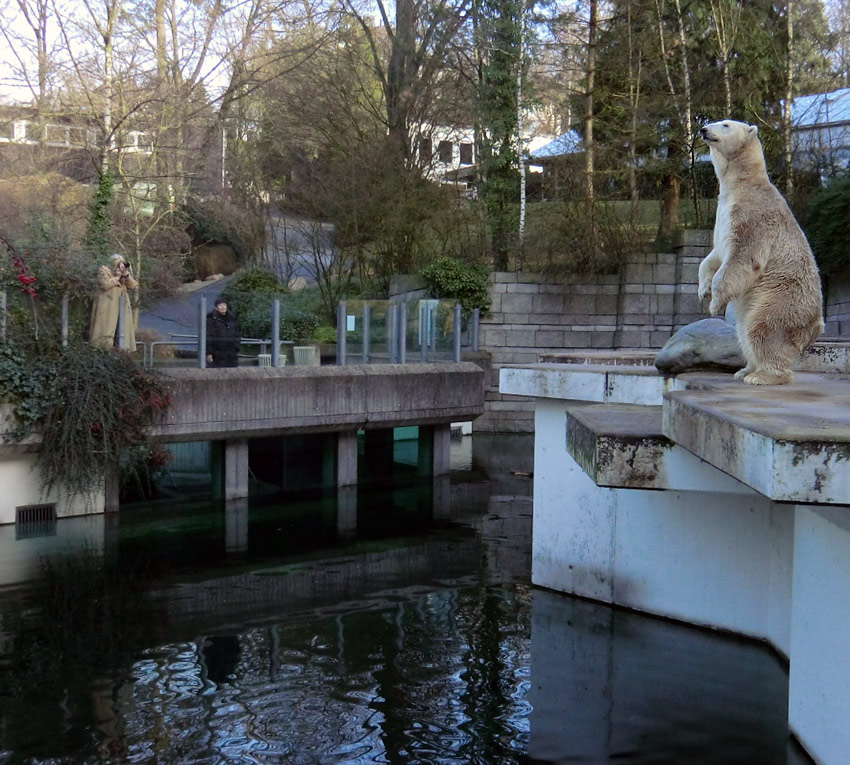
<point x="789" y="95"/>
<point x="669" y="218"/>
<point x="588" y="110"/>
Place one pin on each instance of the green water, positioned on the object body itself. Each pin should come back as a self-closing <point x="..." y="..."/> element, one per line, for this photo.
<point x="392" y="625"/>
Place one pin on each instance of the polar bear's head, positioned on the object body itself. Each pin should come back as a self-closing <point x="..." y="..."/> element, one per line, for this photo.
<point x="728" y="137"/>
<point x="734" y="145"/>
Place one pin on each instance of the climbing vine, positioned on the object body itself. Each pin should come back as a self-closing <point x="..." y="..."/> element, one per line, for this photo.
<point x="90" y="407"/>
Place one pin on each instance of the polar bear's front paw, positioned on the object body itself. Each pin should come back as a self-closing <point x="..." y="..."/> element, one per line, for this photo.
<point x="717" y="305"/>
<point x="742" y="373"/>
<point x="704" y="290"/>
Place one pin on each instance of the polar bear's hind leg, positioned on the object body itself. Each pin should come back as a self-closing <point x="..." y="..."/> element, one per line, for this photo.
<point x="770" y="352"/>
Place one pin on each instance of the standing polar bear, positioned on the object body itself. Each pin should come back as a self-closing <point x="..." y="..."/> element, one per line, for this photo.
<point x="761" y="262"/>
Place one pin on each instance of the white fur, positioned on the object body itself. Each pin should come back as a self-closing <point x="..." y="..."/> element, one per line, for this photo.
<point x="761" y="262"/>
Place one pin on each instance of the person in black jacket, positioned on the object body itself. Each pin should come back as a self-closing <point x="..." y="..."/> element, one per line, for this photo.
<point x="223" y="337"/>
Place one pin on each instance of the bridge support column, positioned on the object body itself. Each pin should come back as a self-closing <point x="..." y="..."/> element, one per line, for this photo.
<point x="346" y="512"/>
<point x="235" y="468"/>
<point x="110" y="488"/>
<point x="435" y="449"/>
<point x="346" y="458"/>
<point x="236" y="525"/>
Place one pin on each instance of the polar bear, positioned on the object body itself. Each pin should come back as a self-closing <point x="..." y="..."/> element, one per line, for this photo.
<point x="761" y="262"/>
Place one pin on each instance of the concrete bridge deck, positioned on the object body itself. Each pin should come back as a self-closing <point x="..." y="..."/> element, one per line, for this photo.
<point x="264" y="401"/>
<point x="230" y="406"/>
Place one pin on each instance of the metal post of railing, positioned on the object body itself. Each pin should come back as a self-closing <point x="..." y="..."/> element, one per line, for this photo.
<point x="476" y="319"/>
<point x="122" y="318"/>
<point x="367" y="321"/>
<point x="402" y="332"/>
<point x="276" y="332"/>
<point x="432" y="329"/>
<point x="341" y="327"/>
<point x="457" y="316"/>
<point x="202" y="333"/>
<point x="2" y="316"/>
<point x="424" y="327"/>
<point x="392" y="332"/>
<point x="65" y="300"/>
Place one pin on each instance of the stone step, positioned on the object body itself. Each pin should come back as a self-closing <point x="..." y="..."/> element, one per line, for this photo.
<point x="622" y="446"/>
<point x="788" y="442"/>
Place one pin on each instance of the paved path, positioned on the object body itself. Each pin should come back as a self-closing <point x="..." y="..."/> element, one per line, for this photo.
<point x="179" y="314"/>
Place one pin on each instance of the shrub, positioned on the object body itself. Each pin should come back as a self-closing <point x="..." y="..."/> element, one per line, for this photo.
<point x="827" y="225"/>
<point x="448" y="278"/>
<point x="90" y="406"/>
<point x="250" y="294"/>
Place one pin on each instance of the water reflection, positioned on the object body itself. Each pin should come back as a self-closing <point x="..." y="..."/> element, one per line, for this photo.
<point x="394" y="625"/>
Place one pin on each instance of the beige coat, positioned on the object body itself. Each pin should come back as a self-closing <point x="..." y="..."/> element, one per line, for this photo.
<point x="104" y="315"/>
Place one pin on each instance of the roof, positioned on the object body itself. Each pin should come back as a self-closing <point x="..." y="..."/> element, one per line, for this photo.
<point x="568" y="143"/>
<point x="821" y="108"/>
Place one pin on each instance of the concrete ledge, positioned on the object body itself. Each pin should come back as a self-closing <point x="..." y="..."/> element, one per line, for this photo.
<point x="790" y="442"/>
<point x="622" y="446"/>
<point x="619" y="445"/>
<point x="602" y="383"/>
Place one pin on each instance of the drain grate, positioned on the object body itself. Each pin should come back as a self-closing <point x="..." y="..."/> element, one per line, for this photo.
<point x="35" y="520"/>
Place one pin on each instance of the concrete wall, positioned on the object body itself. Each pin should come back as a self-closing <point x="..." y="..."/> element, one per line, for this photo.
<point x="837" y="298"/>
<point x="531" y="314"/>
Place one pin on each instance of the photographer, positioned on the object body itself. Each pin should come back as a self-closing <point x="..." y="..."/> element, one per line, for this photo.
<point x="114" y="284"/>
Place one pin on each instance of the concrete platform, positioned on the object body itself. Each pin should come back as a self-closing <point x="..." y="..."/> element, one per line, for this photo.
<point x="790" y="443"/>
<point x="600" y="382"/>
<point x="703" y="499"/>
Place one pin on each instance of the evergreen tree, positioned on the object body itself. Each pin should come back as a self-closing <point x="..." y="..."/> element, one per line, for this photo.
<point x="500" y="42"/>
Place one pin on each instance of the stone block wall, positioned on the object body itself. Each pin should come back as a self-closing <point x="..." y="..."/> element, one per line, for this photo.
<point x="836" y="290"/>
<point x="531" y="314"/>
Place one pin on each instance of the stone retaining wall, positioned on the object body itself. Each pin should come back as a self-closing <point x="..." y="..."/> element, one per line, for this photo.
<point x="531" y="314"/>
<point x="837" y="314"/>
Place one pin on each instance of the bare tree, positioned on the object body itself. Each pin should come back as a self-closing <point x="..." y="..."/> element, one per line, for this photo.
<point x="725" y="21"/>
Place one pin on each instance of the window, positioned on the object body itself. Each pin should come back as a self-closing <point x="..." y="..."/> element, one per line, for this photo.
<point x="444" y="152"/>
<point x="426" y="151"/>
<point x="466" y="154"/>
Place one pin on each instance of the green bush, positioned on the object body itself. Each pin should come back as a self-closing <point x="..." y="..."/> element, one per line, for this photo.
<point x="250" y="295"/>
<point x="90" y="406"/>
<point x="827" y="225"/>
<point x="451" y="279"/>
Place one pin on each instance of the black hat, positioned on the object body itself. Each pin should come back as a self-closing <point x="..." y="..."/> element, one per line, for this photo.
<point x="219" y="300"/>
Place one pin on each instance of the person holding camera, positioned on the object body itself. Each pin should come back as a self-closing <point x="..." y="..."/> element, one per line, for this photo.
<point x="114" y="284"/>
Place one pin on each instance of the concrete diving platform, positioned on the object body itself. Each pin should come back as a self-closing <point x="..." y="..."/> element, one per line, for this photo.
<point x="703" y="499"/>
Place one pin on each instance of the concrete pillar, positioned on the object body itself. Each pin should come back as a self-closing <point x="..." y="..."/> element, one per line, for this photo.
<point x="236" y="525"/>
<point x="346" y="512"/>
<point x="346" y="458"/>
<point x="442" y="497"/>
<point x="819" y="675"/>
<point x="110" y="489"/>
<point x="442" y="449"/>
<point x="235" y="468"/>
<point x="435" y="449"/>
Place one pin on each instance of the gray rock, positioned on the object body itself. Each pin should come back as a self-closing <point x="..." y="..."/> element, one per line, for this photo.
<point x="708" y="344"/>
